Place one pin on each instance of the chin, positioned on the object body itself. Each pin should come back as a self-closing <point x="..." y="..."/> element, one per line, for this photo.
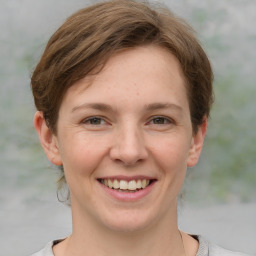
<point x="129" y="221"/>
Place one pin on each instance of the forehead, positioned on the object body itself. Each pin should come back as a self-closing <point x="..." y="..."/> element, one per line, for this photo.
<point x="148" y="60"/>
<point x="145" y="73"/>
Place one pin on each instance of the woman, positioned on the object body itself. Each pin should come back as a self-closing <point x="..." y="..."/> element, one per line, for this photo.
<point x="123" y="93"/>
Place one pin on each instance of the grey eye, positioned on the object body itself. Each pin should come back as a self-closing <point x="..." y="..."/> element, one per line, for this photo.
<point x="94" y="121"/>
<point x="160" y="120"/>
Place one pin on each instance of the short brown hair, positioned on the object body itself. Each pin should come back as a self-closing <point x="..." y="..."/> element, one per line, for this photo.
<point x="92" y="35"/>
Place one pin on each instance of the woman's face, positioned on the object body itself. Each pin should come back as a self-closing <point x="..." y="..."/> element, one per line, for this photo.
<point x="128" y="127"/>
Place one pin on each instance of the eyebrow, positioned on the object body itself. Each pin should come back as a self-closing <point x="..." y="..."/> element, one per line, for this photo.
<point x="97" y="106"/>
<point x="108" y="108"/>
<point x="157" y="106"/>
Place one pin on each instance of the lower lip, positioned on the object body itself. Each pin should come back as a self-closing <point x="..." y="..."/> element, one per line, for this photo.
<point x="128" y="196"/>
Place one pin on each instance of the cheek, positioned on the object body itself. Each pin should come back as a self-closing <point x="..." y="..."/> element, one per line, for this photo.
<point x="171" y="154"/>
<point x="81" y="155"/>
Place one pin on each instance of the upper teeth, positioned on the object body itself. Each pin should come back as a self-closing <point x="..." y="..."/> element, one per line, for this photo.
<point x="125" y="185"/>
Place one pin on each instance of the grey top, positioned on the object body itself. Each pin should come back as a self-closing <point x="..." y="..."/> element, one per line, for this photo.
<point x="205" y="249"/>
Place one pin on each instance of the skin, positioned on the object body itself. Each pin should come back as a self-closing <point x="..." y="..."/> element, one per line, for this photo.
<point x="131" y="119"/>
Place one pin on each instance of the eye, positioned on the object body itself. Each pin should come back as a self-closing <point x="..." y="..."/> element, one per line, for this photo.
<point x="160" y="120"/>
<point x="160" y="123"/>
<point x="94" y="121"/>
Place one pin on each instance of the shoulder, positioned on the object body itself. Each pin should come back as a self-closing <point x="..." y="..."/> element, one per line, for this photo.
<point x="47" y="250"/>
<point x="216" y="250"/>
<point x="208" y="249"/>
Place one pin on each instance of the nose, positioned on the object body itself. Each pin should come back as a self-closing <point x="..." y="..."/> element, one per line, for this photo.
<point x="128" y="147"/>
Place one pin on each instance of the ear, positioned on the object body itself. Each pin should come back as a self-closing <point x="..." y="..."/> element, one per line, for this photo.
<point x="48" y="140"/>
<point x="197" y="144"/>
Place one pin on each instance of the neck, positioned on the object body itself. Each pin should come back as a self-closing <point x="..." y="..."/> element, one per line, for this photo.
<point x="88" y="236"/>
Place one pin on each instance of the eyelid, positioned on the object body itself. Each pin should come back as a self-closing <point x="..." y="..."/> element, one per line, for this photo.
<point x="169" y="120"/>
<point x="86" y="120"/>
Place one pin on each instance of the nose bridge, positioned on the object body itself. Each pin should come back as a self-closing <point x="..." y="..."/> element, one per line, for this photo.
<point x="129" y="145"/>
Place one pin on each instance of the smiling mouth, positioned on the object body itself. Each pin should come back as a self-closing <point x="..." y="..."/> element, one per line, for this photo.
<point x="126" y="186"/>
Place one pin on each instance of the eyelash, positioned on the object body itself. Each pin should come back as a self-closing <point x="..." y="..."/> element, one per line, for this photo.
<point x="153" y="121"/>
<point x="165" y="120"/>
<point x="89" y="120"/>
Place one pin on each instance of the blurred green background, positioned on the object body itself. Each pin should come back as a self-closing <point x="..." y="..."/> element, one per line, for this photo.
<point x="227" y="170"/>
